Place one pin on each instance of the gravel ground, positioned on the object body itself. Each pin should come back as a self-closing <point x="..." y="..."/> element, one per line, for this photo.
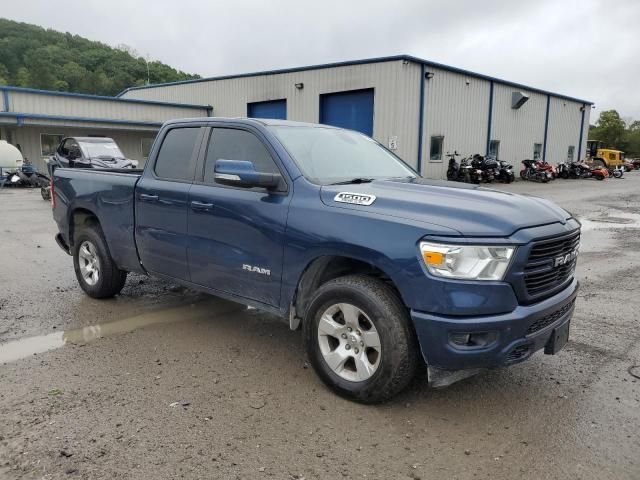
<point x="165" y="383"/>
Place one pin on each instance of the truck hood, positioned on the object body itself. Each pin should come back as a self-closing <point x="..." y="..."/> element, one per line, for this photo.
<point x="471" y="210"/>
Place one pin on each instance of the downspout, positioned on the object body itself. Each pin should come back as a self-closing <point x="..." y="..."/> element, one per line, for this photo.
<point x="209" y="111"/>
<point x="490" y="119"/>
<point x="584" y="107"/>
<point x="546" y="129"/>
<point x="421" y="116"/>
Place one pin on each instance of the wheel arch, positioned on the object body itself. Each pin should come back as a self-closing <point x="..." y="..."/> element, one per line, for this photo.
<point x="79" y="217"/>
<point x="324" y="268"/>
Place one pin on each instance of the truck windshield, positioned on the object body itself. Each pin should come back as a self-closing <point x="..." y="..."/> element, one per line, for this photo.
<point x="100" y="149"/>
<point x="330" y="155"/>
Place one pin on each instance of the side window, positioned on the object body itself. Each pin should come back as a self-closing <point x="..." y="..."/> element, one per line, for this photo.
<point x="435" y="152"/>
<point x="231" y="144"/>
<point x="175" y="158"/>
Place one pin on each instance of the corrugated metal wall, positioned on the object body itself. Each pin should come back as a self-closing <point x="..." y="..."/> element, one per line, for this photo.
<point x="564" y="129"/>
<point x="29" y="139"/>
<point x="396" y="105"/>
<point x="67" y="106"/>
<point x="517" y="129"/>
<point x="457" y="108"/>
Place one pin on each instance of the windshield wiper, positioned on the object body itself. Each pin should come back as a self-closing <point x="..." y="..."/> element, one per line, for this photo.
<point x="354" y="180"/>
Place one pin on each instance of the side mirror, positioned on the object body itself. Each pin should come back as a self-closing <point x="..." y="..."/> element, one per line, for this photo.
<point x="241" y="173"/>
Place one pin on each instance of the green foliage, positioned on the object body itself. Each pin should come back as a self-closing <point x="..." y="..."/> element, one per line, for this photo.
<point x="31" y="56"/>
<point x="615" y="133"/>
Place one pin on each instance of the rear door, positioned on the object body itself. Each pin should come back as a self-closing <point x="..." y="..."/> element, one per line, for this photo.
<point x="236" y="235"/>
<point x="161" y="203"/>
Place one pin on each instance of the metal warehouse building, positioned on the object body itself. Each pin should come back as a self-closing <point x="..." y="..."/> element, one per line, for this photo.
<point x="36" y="120"/>
<point x="419" y="109"/>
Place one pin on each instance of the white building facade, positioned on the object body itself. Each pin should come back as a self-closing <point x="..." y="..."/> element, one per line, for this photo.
<point x="420" y="109"/>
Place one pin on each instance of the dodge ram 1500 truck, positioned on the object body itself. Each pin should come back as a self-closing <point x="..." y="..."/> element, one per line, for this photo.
<point x="381" y="268"/>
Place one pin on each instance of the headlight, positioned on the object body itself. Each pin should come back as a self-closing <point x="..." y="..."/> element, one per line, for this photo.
<point x="466" y="262"/>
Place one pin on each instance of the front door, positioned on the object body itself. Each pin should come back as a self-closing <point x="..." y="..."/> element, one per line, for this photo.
<point x="162" y="196"/>
<point x="236" y="235"/>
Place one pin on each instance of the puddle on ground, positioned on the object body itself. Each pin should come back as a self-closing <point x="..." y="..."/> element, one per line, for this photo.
<point x="610" y="220"/>
<point x="26" y="347"/>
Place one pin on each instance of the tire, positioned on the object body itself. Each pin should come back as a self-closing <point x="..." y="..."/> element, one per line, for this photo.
<point x="371" y="375"/>
<point x="598" y="176"/>
<point x="523" y="174"/>
<point x="45" y="192"/>
<point x="91" y="254"/>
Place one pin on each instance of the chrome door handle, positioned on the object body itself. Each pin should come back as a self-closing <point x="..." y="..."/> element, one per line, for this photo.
<point x="148" y="198"/>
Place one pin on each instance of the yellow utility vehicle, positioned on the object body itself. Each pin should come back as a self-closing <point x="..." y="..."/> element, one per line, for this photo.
<point x="603" y="157"/>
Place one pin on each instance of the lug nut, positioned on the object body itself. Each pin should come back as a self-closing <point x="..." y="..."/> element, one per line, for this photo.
<point x="361" y="343"/>
<point x="356" y="350"/>
<point x="358" y="332"/>
<point x="347" y="346"/>
<point x="350" y="329"/>
<point x="344" y="335"/>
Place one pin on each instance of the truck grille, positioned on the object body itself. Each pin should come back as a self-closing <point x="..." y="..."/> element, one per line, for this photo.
<point x="541" y="274"/>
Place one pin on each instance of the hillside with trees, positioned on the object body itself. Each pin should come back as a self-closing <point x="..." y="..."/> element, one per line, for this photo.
<point x="31" y="56"/>
<point x="616" y="133"/>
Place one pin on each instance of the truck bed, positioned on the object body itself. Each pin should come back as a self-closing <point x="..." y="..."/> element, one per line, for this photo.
<point x="109" y="195"/>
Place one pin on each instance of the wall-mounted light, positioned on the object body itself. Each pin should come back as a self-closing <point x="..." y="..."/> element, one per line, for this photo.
<point x="467" y="81"/>
<point x="428" y="75"/>
<point x="300" y="86"/>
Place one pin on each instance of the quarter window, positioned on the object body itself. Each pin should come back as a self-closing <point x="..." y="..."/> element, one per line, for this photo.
<point x="175" y="159"/>
<point x="435" y="152"/>
<point x="232" y="144"/>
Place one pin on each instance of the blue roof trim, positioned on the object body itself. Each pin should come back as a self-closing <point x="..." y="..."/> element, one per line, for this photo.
<point x="21" y="116"/>
<point x="101" y="97"/>
<point x="392" y="58"/>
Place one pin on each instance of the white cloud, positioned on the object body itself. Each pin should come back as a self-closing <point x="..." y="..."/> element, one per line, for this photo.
<point x="583" y="48"/>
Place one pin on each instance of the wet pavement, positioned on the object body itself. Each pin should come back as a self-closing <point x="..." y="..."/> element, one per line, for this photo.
<point x="161" y="382"/>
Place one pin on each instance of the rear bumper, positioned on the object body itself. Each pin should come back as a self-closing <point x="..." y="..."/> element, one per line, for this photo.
<point x="514" y="336"/>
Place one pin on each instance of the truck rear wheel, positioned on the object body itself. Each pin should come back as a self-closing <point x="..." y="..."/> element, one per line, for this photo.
<point x="359" y="339"/>
<point x="96" y="271"/>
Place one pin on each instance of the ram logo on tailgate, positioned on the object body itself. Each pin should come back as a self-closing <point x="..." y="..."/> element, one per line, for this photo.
<point x="355" y="198"/>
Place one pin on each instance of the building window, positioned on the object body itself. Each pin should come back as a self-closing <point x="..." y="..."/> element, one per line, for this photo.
<point x="435" y="152"/>
<point x="537" y="151"/>
<point x="570" y="153"/>
<point x="145" y="146"/>
<point x="49" y="143"/>
<point x="494" y="148"/>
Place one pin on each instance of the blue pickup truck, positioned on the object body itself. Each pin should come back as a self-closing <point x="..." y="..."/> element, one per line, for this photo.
<point x="383" y="270"/>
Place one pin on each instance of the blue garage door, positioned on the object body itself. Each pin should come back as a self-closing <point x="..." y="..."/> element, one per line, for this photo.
<point x="271" y="109"/>
<point x="353" y="109"/>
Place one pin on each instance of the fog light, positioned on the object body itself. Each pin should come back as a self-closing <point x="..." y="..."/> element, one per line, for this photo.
<point x="472" y="340"/>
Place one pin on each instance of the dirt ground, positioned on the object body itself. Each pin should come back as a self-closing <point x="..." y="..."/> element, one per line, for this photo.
<point x="164" y="383"/>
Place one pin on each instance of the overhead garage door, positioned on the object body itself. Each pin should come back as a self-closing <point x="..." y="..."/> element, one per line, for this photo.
<point x="271" y="109"/>
<point x="353" y="110"/>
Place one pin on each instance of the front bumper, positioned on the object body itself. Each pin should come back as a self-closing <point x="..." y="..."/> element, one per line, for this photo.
<point x="515" y="336"/>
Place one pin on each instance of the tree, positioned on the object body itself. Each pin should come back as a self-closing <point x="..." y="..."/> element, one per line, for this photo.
<point x="610" y="129"/>
<point x="31" y="56"/>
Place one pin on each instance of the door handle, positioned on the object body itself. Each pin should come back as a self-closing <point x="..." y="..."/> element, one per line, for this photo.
<point x="201" y="206"/>
<point x="148" y="198"/>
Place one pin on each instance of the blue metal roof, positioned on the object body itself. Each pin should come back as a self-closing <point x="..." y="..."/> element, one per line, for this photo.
<point x="101" y="97"/>
<point x="392" y="58"/>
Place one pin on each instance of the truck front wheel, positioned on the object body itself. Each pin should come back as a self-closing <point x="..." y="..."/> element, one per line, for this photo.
<point x="96" y="271"/>
<point x="359" y="339"/>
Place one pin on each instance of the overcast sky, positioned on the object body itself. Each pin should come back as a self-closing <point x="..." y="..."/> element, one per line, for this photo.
<point x="584" y="48"/>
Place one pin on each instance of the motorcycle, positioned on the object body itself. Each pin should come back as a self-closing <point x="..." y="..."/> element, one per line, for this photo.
<point x="453" y="171"/>
<point x="616" y="172"/>
<point x="463" y="172"/>
<point x="486" y="168"/>
<point x="535" y="171"/>
<point x="505" y="172"/>
<point x="564" y="170"/>
<point x="583" y="170"/>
